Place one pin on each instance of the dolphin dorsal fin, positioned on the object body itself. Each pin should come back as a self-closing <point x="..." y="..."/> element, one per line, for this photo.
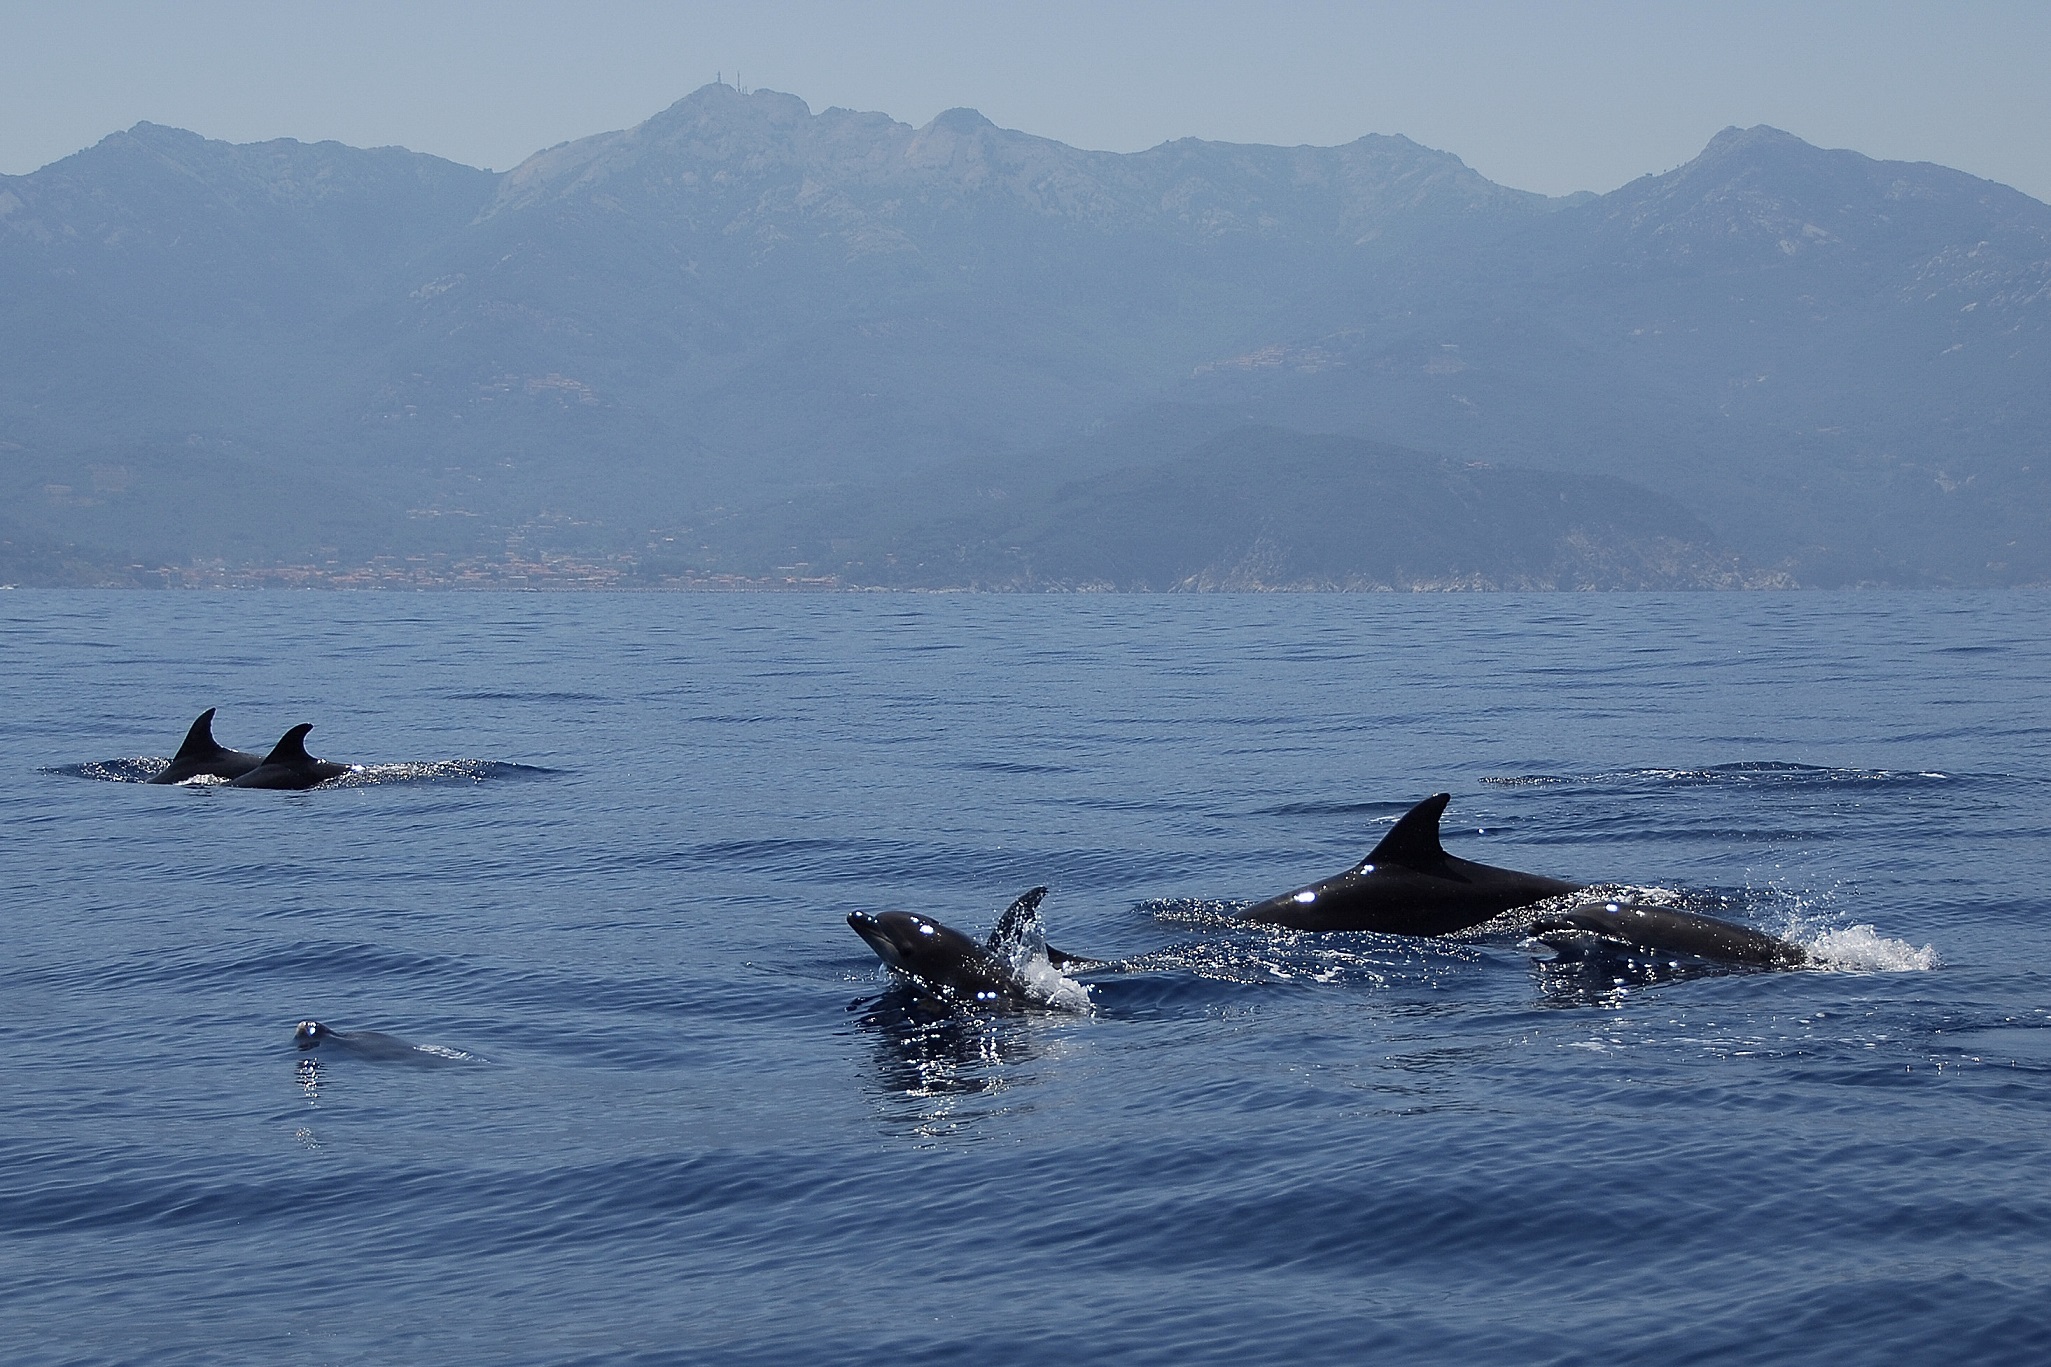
<point x="291" y="747"/>
<point x="199" y="741"/>
<point x="1414" y="840"/>
<point x="1019" y="926"/>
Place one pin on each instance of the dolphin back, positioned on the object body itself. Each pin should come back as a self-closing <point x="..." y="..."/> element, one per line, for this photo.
<point x="202" y="754"/>
<point x="289" y="766"/>
<point x="1666" y="930"/>
<point x="1409" y="885"/>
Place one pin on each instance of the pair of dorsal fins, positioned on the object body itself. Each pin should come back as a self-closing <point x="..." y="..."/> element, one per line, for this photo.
<point x="200" y="743"/>
<point x="1413" y="842"/>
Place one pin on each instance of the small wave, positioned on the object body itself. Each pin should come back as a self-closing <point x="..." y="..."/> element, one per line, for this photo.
<point x="940" y="1070"/>
<point x="506" y="696"/>
<point x="1250" y="954"/>
<point x="143" y="768"/>
<point x="1862" y="949"/>
<point x="1745" y="771"/>
<point x="1265" y="957"/>
<point x="129" y="769"/>
<point x="2024" y="1044"/>
<point x="437" y="771"/>
<point x="1646" y="894"/>
<point x="1207" y="913"/>
<point x="782" y="849"/>
<point x="1336" y="809"/>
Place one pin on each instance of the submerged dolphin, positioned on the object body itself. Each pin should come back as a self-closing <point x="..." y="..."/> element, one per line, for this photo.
<point x="995" y="973"/>
<point x="1409" y="885"/>
<point x="1625" y="928"/>
<point x="289" y="766"/>
<point x="372" y="1044"/>
<point x="203" y="755"/>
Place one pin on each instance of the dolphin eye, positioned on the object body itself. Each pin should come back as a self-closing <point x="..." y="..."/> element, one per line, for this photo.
<point x="1307" y="895"/>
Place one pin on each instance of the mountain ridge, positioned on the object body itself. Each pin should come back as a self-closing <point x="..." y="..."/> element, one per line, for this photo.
<point x="1834" y="363"/>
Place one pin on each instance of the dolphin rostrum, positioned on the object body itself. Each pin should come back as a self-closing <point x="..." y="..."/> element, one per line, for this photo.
<point x="1013" y="968"/>
<point x="289" y="766"/>
<point x="1409" y="885"/>
<point x="202" y="755"/>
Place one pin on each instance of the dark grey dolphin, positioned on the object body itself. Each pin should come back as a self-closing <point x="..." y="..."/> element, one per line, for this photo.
<point x="203" y="755"/>
<point x="1626" y="928"/>
<point x="289" y="766"/>
<point x="947" y="963"/>
<point x="369" y="1044"/>
<point x="1409" y="885"/>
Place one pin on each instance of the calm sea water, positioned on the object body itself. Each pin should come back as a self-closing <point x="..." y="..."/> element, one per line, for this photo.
<point x="668" y="1109"/>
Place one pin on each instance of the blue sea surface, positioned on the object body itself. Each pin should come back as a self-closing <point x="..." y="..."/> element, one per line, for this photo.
<point x="656" y="1103"/>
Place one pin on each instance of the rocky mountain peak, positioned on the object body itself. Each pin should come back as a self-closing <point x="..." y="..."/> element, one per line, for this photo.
<point x="961" y="122"/>
<point x="1760" y="196"/>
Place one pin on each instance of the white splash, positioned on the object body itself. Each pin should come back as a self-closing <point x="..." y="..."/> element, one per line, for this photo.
<point x="1862" y="949"/>
<point x="1049" y="986"/>
<point x="1026" y="954"/>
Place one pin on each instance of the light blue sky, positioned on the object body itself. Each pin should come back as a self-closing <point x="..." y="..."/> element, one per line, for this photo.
<point x="1583" y="94"/>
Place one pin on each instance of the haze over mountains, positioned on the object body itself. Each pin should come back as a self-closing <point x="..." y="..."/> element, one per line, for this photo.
<point x="746" y="342"/>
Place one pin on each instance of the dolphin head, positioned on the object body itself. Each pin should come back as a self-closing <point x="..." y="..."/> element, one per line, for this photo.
<point x="908" y="941"/>
<point x="310" y="1033"/>
<point x="939" y="957"/>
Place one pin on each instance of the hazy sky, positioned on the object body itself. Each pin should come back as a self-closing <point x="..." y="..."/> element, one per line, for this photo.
<point x="1553" y="97"/>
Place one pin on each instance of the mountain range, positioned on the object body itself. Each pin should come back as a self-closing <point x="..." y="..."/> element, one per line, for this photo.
<point x="747" y="343"/>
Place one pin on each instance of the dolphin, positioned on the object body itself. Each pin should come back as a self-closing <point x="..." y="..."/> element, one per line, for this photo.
<point x="1006" y="971"/>
<point x="203" y="755"/>
<point x="371" y="1044"/>
<point x="289" y="766"/>
<point x="1624" y="928"/>
<point x="1409" y="885"/>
